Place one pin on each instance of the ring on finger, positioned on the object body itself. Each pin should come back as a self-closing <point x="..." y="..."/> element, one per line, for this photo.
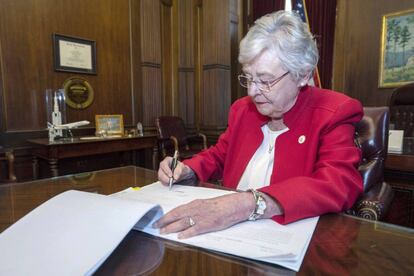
<point x="191" y="221"/>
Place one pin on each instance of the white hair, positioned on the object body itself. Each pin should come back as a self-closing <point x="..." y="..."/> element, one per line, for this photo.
<point x="285" y="34"/>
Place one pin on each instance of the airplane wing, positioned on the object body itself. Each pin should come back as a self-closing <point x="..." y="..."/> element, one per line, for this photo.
<point x="72" y="125"/>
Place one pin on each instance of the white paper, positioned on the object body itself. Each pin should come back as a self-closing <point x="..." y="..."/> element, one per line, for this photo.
<point x="71" y="234"/>
<point x="74" y="232"/>
<point x="263" y="240"/>
<point x="395" y="140"/>
<point x="78" y="55"/>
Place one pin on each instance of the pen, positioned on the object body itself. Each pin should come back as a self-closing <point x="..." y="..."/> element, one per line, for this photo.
<point x="172" y="166"/>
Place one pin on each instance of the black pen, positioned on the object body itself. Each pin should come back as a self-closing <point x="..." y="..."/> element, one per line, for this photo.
<point x="174" y="163"/>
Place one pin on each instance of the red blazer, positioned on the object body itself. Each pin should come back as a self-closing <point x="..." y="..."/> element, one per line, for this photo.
<point x="310" y="177"/>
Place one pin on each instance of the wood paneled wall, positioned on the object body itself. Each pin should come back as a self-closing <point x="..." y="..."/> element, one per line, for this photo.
<point x="187" y="54"/>
<point x="357" y="48"/>
<point x="27" y="70"/>
<point x="154" y="57"/>
<point x="215" y="93"/>
<point x="186" y="46"/>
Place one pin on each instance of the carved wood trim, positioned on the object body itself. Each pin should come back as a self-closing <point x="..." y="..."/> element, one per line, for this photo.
<point x="169" y="50"/>
<point x="198" y="65"/>
<point x="150" y="64"/>
<point x="216" y="66"/>
<point x="198" y="3"/>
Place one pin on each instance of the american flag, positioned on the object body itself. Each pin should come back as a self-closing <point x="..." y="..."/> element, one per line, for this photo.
<point x="300" y="8"/>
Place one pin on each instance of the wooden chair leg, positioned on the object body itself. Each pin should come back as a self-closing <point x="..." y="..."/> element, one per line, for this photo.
<point x="10" y="162"/>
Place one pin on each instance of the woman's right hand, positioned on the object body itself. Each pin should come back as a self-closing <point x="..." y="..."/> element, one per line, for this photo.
<point x="181" y="171"/>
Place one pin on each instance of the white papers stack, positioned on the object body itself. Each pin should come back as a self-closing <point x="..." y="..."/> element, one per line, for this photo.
<point x="71" y="234"/>
<point x="75" y="232"/>
<point x="263" y="240"/>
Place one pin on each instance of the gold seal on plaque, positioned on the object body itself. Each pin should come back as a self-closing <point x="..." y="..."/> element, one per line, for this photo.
<point x="78" y="92"/>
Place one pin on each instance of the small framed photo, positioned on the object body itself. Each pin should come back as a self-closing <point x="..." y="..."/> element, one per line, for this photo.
<point x="74" y="54"/>
<point x="397" y="49"/>
<point x="109" y="124"/>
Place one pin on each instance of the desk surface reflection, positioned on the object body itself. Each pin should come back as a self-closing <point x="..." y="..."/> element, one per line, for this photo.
<point x="341" y="245"/>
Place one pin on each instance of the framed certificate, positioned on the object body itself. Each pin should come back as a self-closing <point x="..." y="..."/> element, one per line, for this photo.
<point x="73" y="54"/>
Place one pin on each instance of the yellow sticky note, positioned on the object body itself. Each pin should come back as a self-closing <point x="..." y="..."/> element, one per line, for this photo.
<point x="136" y="188"/>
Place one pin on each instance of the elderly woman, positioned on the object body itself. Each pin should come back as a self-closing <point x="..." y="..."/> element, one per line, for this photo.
<point x="288" y="147"/>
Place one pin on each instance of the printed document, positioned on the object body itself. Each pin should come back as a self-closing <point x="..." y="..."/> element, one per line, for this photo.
<point x="75" y="232"/>
<point x="70" y="234"/>
<point x="263" y="240"/>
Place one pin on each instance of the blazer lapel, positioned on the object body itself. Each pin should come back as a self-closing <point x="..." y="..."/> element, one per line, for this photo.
<point x="288" y="139"/>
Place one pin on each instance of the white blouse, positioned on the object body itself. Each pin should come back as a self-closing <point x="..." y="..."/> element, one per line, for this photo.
<point x="260" y="167"/>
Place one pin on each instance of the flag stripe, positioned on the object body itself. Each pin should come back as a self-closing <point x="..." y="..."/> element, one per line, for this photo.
<point x="300" y="8"/>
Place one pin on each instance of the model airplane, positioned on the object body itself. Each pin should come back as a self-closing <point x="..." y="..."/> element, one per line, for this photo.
<point x="72" y="125"/>
<point x="55" y="127"/>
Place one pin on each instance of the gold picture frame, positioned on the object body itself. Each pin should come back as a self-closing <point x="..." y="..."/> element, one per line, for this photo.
<point x="397" y="49"/>
<point x="110" y="124"/>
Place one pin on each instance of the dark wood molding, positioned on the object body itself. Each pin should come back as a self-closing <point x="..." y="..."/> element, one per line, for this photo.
<point x="168" y="3"/>
<point x="198" y="3"/>
<point x="215" y="66"/>
<point x="151" y="64"/>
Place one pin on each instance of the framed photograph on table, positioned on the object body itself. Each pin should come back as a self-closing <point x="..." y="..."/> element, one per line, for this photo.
<point x="109" y="124"/>
<point x="73" y="54"/>
<point x="397" y="49"/>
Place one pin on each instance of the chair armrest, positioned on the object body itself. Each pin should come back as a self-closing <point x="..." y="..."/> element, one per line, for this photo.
<point x="162" y="142"/>
<point x="375" y="203"/>
<point x="198" y="135"/>
<point x="175" y="142"/>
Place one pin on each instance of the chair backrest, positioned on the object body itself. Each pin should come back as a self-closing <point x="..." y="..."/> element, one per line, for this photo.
<point x="371" y="135"/>
<point x="168" y="126"/>
<point x="402" y="109"/>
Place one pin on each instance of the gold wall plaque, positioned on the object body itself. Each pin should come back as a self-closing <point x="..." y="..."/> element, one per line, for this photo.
<point x="78" y="92"/>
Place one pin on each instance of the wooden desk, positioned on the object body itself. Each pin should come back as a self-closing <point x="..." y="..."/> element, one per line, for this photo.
<point x="399" y="173"/>
<point x="341" y="244"/>
<point x="400" y="162"/>
<point x="57" y="150"/>
<point x="403" y="161"/>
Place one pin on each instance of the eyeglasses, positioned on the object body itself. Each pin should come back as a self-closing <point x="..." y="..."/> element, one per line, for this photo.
<point x="263" y="86"/>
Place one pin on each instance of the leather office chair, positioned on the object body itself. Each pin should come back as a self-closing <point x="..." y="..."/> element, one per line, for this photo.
<point x="173" y="136"/>
<point x="402" y="109"/>
<point x="8" y="156"/>
<point x="371" y="135"/>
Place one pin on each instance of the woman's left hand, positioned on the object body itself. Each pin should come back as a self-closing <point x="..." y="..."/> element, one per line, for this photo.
<point x="207" y="215"/>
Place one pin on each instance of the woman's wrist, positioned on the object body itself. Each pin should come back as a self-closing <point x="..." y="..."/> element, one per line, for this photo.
<point x="239" y="206"/>
<point x="273" y="208"/>
<point x="188" y="173"/>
